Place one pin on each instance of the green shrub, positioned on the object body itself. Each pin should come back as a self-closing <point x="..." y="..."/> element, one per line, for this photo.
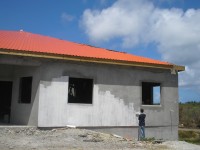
<point x="189" y="115"/>
<point x="189" y="136"/>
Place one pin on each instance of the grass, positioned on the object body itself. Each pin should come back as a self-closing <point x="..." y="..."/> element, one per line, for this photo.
<point x="189" y="136"/>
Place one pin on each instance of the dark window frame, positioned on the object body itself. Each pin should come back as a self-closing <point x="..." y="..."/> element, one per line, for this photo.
<point x="148" y="93"/>
<point x="80" y="90"/>
<point x="25" y="89"/>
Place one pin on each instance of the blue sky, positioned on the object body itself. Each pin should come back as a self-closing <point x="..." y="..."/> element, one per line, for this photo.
<point x="166" y="30"/>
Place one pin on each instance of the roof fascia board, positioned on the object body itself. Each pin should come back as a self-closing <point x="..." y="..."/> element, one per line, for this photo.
<point x="85" y="59"/>
<point x="179" y="68"/>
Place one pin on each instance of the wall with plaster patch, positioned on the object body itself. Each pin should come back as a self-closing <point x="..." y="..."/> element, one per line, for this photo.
<point x="107" y="109"/>
<point x="53" y="101"/>
<point x="116" y="96"/>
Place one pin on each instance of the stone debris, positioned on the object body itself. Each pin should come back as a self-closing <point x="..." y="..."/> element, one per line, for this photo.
<point x="23" y="138"/>
<point x="83" y="135"/>
<point x="159" y="141"/>
<point x="93" y="140"/>
<point x="71" y="126"/>
<point x="53" y="130"/>
<point x="11" y="147"/>
<point x="117" y="136"/>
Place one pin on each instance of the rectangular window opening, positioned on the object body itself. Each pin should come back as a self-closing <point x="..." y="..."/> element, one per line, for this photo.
<point x="80" y="90"/>
<point x="25" y="88"/>
<point x="151" y="93"/>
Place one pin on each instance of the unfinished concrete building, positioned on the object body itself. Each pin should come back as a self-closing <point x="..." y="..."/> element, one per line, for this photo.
<point x="48" y="82"/>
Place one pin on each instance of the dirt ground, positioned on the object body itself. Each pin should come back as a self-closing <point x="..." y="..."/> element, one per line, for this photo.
<point x="30" y="138"/>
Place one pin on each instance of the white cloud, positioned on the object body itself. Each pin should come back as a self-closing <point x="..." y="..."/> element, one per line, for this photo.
<point x="122" y="20"/>
<point x="175" y="31"/>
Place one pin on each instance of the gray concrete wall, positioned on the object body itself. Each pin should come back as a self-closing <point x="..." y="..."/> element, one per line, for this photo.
<point x="99" y="113"/>
<point x="116" y="98"/>
<point x="53" y="102"/>
<point x="25" y="113"/>
<point x="12" y="69"/>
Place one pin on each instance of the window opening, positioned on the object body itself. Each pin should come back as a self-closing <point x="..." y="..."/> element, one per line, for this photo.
<point x="25" y="90"/>
<point x="151" y="93"/>
<point x="80" y="90"/>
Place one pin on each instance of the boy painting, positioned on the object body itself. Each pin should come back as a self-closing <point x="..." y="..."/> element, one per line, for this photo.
<point x="141" y="119"/>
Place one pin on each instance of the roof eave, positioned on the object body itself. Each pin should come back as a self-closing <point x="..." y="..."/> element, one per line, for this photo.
<point x="88" y="59"/>
<point x="179" y="68"/>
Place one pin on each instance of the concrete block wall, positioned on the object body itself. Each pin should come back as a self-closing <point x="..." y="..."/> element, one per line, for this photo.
<point x="25" y="113"/>
<point x="53" y="102"/>
<point x="12" y="68"/>
<point x="106" y="109"/>
<point x="116" y="98"/>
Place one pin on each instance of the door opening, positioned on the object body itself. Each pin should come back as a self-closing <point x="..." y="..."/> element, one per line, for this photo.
<point x="5" y="101"/>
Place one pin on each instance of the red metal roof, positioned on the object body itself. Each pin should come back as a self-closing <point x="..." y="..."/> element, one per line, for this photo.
<point x="29" y="42"/>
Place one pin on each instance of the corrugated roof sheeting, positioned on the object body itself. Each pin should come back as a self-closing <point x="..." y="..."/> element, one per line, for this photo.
<point x="25" y="41"/>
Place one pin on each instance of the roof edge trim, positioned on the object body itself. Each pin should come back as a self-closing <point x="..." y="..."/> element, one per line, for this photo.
<point x="85" y="59"/>
<point x="179" y="68"/>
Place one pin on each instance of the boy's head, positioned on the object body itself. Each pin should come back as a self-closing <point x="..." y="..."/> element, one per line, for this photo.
<point x="141" y="110"/>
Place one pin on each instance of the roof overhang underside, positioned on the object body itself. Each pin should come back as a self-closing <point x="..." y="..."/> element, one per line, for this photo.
<point x="90" y="60"/>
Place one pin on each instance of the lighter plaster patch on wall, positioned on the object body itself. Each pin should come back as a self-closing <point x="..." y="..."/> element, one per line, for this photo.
<point x="114" y="111"/>
<point x="106" y="110"/>
<point x="128" y="93"/>
<point x="52" y="103"/>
